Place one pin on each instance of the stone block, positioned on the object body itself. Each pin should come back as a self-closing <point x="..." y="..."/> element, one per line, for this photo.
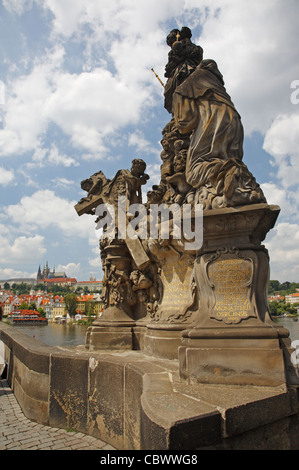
<point x="68" y="392"/>
<point x="106" y="401"/>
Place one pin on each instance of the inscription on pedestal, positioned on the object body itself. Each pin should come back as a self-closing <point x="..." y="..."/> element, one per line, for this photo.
<point x="231" y="279"/>
<point x="176" y="276"/>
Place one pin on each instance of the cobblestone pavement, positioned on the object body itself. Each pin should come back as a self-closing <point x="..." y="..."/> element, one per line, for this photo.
<point x="19" y="433"/>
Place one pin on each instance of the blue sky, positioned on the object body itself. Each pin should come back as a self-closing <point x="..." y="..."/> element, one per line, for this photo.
<point x="77" y="95"/>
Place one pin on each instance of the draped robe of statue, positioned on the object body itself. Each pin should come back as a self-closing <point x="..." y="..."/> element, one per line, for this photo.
<point x="202" y="104"/>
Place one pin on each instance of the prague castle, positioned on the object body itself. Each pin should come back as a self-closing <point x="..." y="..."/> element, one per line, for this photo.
<point x="46" y="273"/>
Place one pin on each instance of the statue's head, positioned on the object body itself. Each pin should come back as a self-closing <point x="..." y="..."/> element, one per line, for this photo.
<point x="172" y="37"/>
<point x="156" y="194"/>
<point x="177" y="35"/>
<point x="185" y="33"/>
<point x="179" y="162"/>
<point x="138" y="167"/>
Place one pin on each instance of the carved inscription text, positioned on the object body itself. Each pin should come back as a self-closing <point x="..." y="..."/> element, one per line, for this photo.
<point x="231" y="280"/>
<point x="176" y="276"/>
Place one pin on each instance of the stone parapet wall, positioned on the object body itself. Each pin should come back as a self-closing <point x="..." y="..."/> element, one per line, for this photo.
<point x="137" y="401"/>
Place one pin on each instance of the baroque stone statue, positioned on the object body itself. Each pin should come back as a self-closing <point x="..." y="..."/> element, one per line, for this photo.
<point x="203" y="305"/>
<point x="202" y="110"/>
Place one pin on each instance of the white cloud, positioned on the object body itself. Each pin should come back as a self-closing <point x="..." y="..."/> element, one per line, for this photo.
<point x="287" y="200"/>
<point x="2" y="93"/>
<point x="25" y="118"/>
<point x="71" y="269"/>
<point x="23" y="249"/>
<point x="52" y="156"/>
<point x="283" y="246"/>
<point x="125" y="18"/>
<point x="6" y="176"/>
<point x="90" y="106"/>
<point x="63" y="182"/>
<point x="17" y="6"/>
<point x="10" y="273"/>
<point x="57" y="158"/>
<point x="137" y="140"/>
<point x="282" y="142"/>
<point x="87" y="107"/>
<point x="44" y="209"/>
<point x="248" y="41"/>
<point x="255" y="45"/>
<point x="258" y="66"/>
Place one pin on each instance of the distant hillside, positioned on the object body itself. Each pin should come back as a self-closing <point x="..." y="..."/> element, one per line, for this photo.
<point x="283" y="288"/>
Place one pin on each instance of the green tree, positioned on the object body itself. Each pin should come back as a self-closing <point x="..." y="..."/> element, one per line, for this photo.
<point x="24" y="306"/>
<point x="89" y="308"/>
<point x="280" y="308"/>
<point x="23" y="288"/>
<point x="273" y="287"/>
<point x="70" y="300"/>
<point x="41" y="312"/>
<point x="40" y="287"/>
<point x="6" y="286"/>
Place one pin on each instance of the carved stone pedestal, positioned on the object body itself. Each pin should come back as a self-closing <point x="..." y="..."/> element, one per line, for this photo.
<point x="233" y="339"/>
<point x="176" y="307"/>
<point x="238" y="356"/>
<point x="113" y="331"/>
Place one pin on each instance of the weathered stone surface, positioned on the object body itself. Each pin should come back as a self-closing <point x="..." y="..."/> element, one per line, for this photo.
<point x="157" y="283"/>
<point x="68" y="391"/>
<point x="106" y="400"/>
<point x="185" y="354"/>
<point x="31" y="389"/>
<point x="139" y="402"/>
<point x="232" y="339"/>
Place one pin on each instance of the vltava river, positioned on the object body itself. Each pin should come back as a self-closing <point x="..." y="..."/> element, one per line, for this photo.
<point x="73" y="335"/>
<point x="54" y="334"/>
<point x="290" y="324"/>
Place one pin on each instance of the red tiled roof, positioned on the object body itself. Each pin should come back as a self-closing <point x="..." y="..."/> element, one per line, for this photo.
<point x="25" y="312"/>
<point x="61" y="279"/>
<point x="89" y="282"/>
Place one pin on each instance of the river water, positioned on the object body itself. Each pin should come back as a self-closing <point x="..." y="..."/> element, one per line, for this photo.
<point x="73" y="335"/>
<point x="291" y="324"/>
<point x="54" y="334"/>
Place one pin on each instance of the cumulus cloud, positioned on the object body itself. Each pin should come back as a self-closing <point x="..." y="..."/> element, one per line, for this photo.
<point x="41" y="211"/>
<point x="90" y="106"/>
<point x="283" y="246"/>
<point x="282" y="142"/>
<point x="258" y="66"/>
<point x="44" y="157"/>
<point x="22" y="250"/>
<point x="255" y="55"/>
<point x="44" y="209"/>
<point x="71" y="269"/>
<point x="26" y="119"/>
<point x="141" y="144"/>
<point x="6" y="176"/>
<point x="287" y="200"/>
<point x="10" y="273"/>
<point x="17" y="6"/>
<point x="86" y="106"/>
<point x="63" y="182"/>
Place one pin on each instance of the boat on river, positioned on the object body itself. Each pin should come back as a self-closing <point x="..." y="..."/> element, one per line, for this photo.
<point x="27" y="317"/>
